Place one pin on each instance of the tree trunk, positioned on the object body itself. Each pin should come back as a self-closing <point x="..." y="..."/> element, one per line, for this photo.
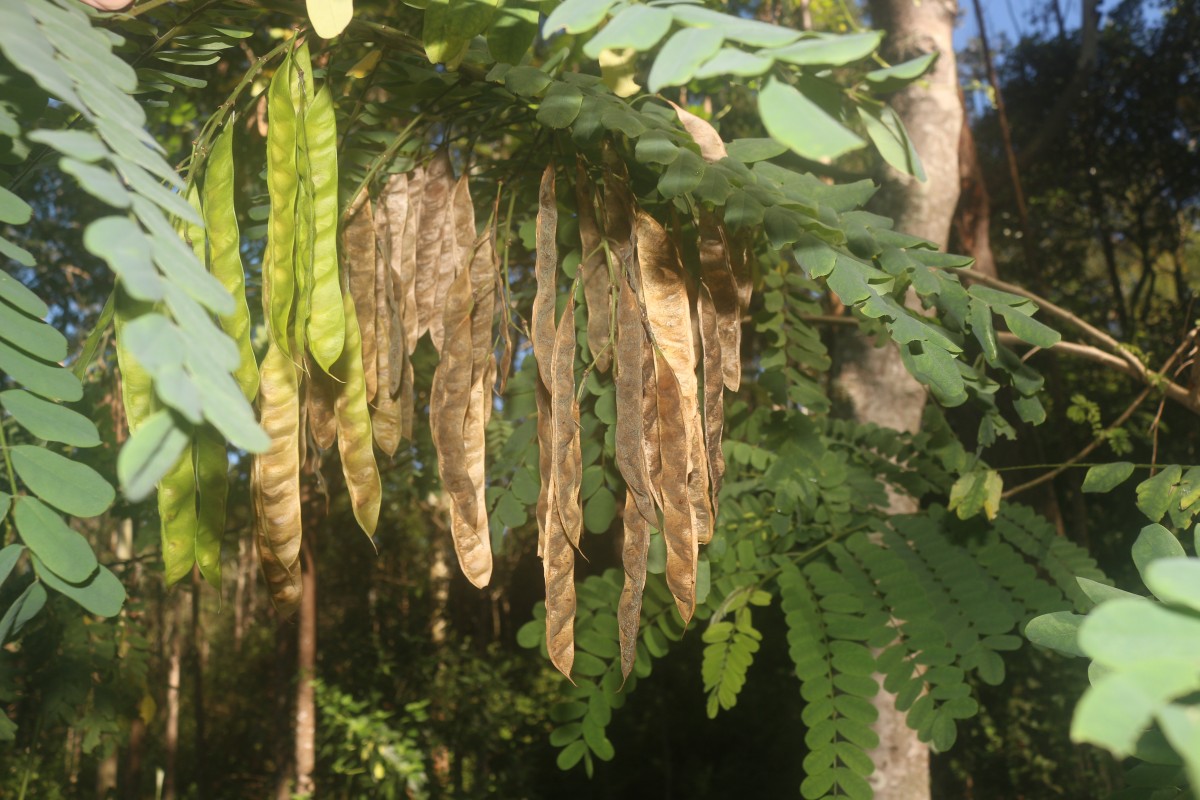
<point x="306" y="663"/>
<point x="872" y="381"/>
<point x="174" y="674"/>
<point x="196" y="664"/>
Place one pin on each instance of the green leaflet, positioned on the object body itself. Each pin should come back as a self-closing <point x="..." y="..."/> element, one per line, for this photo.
<point x="102" y="595"/>
<point x="513" y="30"/>
<point x="282" y="183"/>
<point x="793" y="119"/>
<point x="450" y="25"/>
<point x="225" y="258"/>
<point x="50" y="421"/>
<point x="64" y="551"/>
<point x="327" y="323"/>
<point x="148" y="454"/>
<point x="1144" y="653"/>
<point x="68" y="485"/>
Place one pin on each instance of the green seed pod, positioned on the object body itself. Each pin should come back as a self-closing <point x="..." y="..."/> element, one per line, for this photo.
<point x="282" y="185"/>
<point x="327" y="324"/>
<point x="225" y="257"/>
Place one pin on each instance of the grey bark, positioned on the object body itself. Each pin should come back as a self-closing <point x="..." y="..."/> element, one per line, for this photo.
<point x="872" y="383"/>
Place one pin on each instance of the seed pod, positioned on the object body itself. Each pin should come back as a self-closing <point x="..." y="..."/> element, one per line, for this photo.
<point x="664" y="291"/>
<point x="278" y="481"/>
<point x="567" y="466"/>
<point x="633" y="559"/>
<point x="594" y="269"/>
<point x="741" y="257"/>
<point x="546" y="269"/>
<point x="326" y="325"/>
<point x="458" y="242"/>
<point x="698" y="482"/>
<point x="459" y="451"/>
<point x="319" y="393"/>
<point x="545" y="437"/>
<point x="282" y="183"/>
<point x="714" y="401"/>
<point x="716" y="275"/>
<point x="177" y="514"/>
<point x="630" y="433"/>
<point x="435" y="206"/>
<point x="405" y="279"/>
<point x="406" y="399"/>
<point x="651" y="438"/>
<point x="225" y="258"/>
<point x="558" y="566"/>
<point x="137" y="386"/>
<point x="385" y="413"/>
<point x="679" y="535"/>
<point x="483" y="309"/>
<point x="212" y="481"/>
<point x="302" y="93"/>
<point x="354" y="426"/>
<point x="391" y="213"/>
<point x="358" y="251"/>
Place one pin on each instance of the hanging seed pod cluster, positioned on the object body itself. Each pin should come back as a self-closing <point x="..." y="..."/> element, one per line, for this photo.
<point x="344" y="311"/>
<point x="338" y="365"/>
<point x="313" y="372"/>
<point x="644" y="310"/>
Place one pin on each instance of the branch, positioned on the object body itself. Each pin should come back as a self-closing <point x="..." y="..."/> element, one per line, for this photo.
<point x="1091" y="331"/>
<point x="1123" y="361"/>
<point x="1100" y="439"/>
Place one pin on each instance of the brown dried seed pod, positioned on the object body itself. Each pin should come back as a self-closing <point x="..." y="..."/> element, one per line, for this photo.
<point x="679" y="535"/>
<point x="277" y="479"/>
<point x="483" y="308"/>
<point x="319" y="393"/>
<point x="404" y="269"/>
<point x="741" y="257"/>
<point x="664" y="292"/>
<point x="435" y="206"/>
<point x="457" y="246"/>
<point x="714" y="400"/>
<point x="558" y="565"/>
<point x="390" y="213"/>
<point x="568" y="456"/>
<point x="716" y="274"/>
<point x="633" y="559"/>
<point x="545" y="437"/>
<point x="698" y="484"/>
<point x="358" y="254"/>
<point x="594" y="269"/>
<point x="546" y="269"/>
<point x="630" y="433"/>
<point x="406" y="399"/>
<point x="651" y="440"/>
<point x="458" y="437"/>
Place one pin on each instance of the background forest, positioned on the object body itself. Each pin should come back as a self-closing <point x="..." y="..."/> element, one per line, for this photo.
<point x="1073" y="175"/>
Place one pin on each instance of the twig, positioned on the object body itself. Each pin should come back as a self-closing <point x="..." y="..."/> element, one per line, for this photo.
<point x="1124" y="362"/>
<point x="1121" y="420"/>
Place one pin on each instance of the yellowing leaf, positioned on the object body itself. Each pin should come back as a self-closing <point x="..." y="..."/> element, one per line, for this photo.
<point x="617" y="68"/>
<point x="330" y="17"/>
